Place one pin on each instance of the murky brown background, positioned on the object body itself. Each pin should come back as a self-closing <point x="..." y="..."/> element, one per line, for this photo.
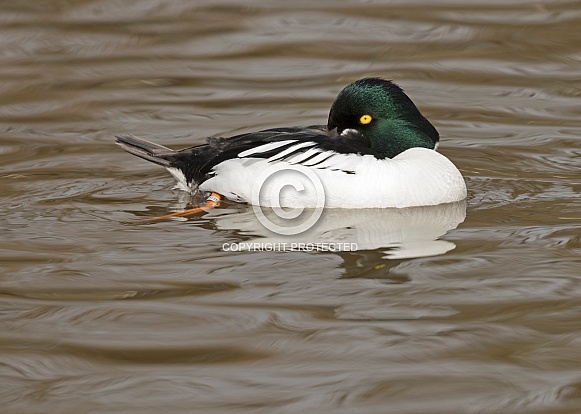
<point x="100" y="314"/>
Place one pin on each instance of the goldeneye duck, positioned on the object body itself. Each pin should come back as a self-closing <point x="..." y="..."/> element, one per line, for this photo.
<point x="377" y="150"/>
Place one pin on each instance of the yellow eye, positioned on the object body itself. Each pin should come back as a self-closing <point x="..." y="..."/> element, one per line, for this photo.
<point x="365" y="119"/>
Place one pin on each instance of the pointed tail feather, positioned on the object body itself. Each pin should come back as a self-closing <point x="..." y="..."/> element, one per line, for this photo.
<point x="147" y="150"/>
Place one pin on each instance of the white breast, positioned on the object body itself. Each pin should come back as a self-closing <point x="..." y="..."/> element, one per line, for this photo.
<point x="416" y="177"/>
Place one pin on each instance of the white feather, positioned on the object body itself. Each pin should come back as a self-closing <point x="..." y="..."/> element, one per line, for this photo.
<point x="319" y="158"/>
<point x="266" y="147"/>
<point x="292" y="149"/>
<point x="182" y="183"/>
<point x="295" y="159"/>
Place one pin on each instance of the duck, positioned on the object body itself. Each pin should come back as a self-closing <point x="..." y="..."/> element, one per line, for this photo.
<point x="376" y="151"/>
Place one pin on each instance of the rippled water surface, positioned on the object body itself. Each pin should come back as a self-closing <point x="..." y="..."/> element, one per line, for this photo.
<point x="471" y="308"/>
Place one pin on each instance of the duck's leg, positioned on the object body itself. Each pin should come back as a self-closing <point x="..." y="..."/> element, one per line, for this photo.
<point x="212" y="201"/>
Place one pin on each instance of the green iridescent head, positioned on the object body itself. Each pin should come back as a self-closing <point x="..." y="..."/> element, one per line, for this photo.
<point x="384" y="115"/>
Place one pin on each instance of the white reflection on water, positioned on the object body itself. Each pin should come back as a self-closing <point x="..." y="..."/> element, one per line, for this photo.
<point x="403" y="233"/>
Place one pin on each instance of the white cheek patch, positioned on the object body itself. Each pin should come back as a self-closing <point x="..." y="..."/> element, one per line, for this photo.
<point x="348" y="131"/>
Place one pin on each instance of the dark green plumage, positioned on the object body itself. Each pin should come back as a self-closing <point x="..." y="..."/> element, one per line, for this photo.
<point x="396" y="125"/>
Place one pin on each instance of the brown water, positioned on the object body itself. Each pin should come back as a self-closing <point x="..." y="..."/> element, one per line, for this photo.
<point x="102" y="314"/>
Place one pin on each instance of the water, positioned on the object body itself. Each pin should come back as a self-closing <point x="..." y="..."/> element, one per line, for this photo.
<point x="103" y="313"/>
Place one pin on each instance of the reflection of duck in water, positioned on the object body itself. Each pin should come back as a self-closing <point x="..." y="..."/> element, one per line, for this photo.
<point x="376" y="151"/>
<point x="396" y="233"/>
